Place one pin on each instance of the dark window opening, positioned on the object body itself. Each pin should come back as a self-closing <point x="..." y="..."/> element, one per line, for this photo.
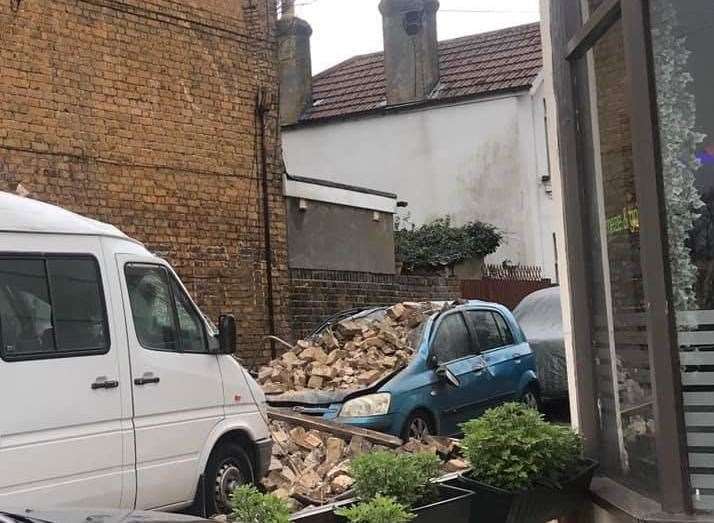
<point x="164" y="318"/>
<point x="452" y="340"/>
<point x="51" y="307"/>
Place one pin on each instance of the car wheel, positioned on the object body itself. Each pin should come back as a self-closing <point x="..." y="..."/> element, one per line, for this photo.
<point x="417" y="426"/>
<point x="228" y="468"/>
<point x="531" y="399"/>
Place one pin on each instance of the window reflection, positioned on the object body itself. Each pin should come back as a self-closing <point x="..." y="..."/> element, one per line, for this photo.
<point x="682" y="40"/>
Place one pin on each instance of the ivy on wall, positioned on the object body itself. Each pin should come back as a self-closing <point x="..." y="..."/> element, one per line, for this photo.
<point x="437" y="245"/>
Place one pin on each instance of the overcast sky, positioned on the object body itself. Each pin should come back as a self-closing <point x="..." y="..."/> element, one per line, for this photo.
<point x="344" y="28"/>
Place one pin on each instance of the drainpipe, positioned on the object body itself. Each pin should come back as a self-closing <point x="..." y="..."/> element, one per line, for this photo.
<point x="262" y="106"/>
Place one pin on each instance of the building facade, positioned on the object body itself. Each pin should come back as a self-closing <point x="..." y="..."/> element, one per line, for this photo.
<point x="633" y="142"/>
<point x="454" y="127"/>
<point x="160" y="118"/>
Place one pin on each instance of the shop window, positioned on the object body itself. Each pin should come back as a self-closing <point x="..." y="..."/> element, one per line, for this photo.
<point x="618" y="320"/>
<point x="682" y="43"/>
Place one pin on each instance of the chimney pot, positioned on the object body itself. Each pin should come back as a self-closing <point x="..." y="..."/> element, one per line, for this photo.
<point x="411" y="49"/>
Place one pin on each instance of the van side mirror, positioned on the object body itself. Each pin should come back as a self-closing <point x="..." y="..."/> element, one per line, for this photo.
<point x="227" y="334"/>
<point x="446" y="376"/>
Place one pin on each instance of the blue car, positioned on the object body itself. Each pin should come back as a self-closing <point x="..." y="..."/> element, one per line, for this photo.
<point x="471" y="356"/>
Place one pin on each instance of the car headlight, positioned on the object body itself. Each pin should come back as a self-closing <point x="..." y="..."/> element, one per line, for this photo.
<point x="370" y="405"/>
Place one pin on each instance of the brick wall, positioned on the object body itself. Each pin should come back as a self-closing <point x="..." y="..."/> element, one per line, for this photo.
<point x="316" y="295"/>
<point x="141" y="113"/>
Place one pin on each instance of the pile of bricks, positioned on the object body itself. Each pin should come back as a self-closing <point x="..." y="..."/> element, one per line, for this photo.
<point x="311" y="467"/>
<point x="351" y="354"/>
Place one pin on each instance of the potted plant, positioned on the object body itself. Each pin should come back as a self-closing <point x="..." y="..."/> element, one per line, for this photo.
<point x="252" y="506"/>
<point x="378" y="510"/>
<point x="524" y="469"/>
<point x="406" y="479"/>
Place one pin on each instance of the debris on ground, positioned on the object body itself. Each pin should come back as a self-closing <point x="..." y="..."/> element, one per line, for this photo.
<point x="311" y="467"/>
<point x="353" y="353"/>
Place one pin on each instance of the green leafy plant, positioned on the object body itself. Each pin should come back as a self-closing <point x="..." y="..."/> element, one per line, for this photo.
<point x="512" y="447"/>
<point x="378" y="510"/>
<point x="404" y="477"/>
<point x="438" y="244"/>
<point x="252" y="506"/>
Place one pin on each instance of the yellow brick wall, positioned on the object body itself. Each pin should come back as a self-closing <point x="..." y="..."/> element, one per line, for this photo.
<point x="141" y="113"/>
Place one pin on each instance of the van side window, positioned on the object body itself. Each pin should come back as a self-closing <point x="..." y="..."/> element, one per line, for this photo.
<point x="152" y="306"/>
<point x="486" y="329"/>
<point x="51" y="306"/>
<point x="164" y="318"/>
<point x="191" y="332"/>
<point x="452" y="340"/>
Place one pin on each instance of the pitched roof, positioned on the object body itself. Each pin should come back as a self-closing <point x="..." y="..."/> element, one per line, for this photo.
<point x="476" y="65"/>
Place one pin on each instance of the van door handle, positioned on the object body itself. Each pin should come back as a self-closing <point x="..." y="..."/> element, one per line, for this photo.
<point x="146" y="380"/>
<point x="103" y="383"/>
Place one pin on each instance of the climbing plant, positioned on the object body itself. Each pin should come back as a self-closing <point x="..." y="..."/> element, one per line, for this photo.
<point x="438" y="244"/>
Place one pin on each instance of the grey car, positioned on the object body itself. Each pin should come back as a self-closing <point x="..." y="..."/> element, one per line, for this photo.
<point x="540" y="315"/>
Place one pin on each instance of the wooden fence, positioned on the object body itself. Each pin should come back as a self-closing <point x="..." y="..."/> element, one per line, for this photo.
<point x="505" y="285"/>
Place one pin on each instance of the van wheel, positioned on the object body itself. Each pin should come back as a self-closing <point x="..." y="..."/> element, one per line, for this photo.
<point x="228" y="468"/>
<point x="417" y="426"/>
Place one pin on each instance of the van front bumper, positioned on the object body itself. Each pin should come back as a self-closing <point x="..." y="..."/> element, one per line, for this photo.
<point x="263" y="453"/>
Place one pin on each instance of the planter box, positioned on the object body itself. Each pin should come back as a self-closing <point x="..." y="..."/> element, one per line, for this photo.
<point x="453" y="506"/>
<point x="537" y="505"/>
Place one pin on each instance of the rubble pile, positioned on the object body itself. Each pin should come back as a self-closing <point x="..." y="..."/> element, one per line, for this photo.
<point x="350" y="354"/>
<point x="311" y="467"/>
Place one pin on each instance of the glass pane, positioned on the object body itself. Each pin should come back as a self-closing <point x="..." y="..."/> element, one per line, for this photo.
<point x="78" y="304"/>
<point x="487" y="333"/>
<point x="452" y="341"/>
<point x="25" y="314"/>
<point x="618" y="314"/>
<point x="151" y="307"/>
<point x="682" y="42"/>
<point x="190" y="325"/>
<point x="505" y="329"/>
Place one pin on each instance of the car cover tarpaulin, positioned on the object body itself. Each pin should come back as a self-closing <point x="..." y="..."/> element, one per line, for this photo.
<point x="540" y="316"/>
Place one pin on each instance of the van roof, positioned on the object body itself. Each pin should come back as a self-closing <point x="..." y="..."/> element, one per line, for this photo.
<point x="19" y="214"/>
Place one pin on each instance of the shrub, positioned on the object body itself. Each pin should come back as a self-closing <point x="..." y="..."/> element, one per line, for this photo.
<point x="251" y="506"/>
<point x="512" y="447"/>
<point x="404" y="477"/>
<point x="438" y="244"/>
<point x="378" y="510"/>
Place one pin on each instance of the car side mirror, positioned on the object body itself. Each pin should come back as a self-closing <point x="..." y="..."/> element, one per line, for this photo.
<point x="445" y="375"/>
<point x="227" y="334"/>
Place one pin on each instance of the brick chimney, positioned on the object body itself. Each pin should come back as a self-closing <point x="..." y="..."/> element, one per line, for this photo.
<point x="295" y="64"/>
<point x="411" y="49"/>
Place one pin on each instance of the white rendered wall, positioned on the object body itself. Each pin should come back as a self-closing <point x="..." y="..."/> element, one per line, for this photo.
<point x="481" y="160"/>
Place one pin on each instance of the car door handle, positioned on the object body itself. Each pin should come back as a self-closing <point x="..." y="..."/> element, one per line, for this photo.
<point x="145" y="380"/>
<point x="103" y="383"/>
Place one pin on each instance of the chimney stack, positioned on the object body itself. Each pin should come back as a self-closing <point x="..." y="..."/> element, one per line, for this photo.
<point x="287" y="8"/>
<point x="295" y="64"/>
<point x="411" y="49"/>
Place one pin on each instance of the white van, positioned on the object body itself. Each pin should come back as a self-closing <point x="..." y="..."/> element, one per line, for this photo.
<point x="115" y="391"/>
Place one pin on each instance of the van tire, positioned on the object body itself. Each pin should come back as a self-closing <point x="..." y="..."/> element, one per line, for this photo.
<point x="228" y="467"/>
<point x="419" y="421"/>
